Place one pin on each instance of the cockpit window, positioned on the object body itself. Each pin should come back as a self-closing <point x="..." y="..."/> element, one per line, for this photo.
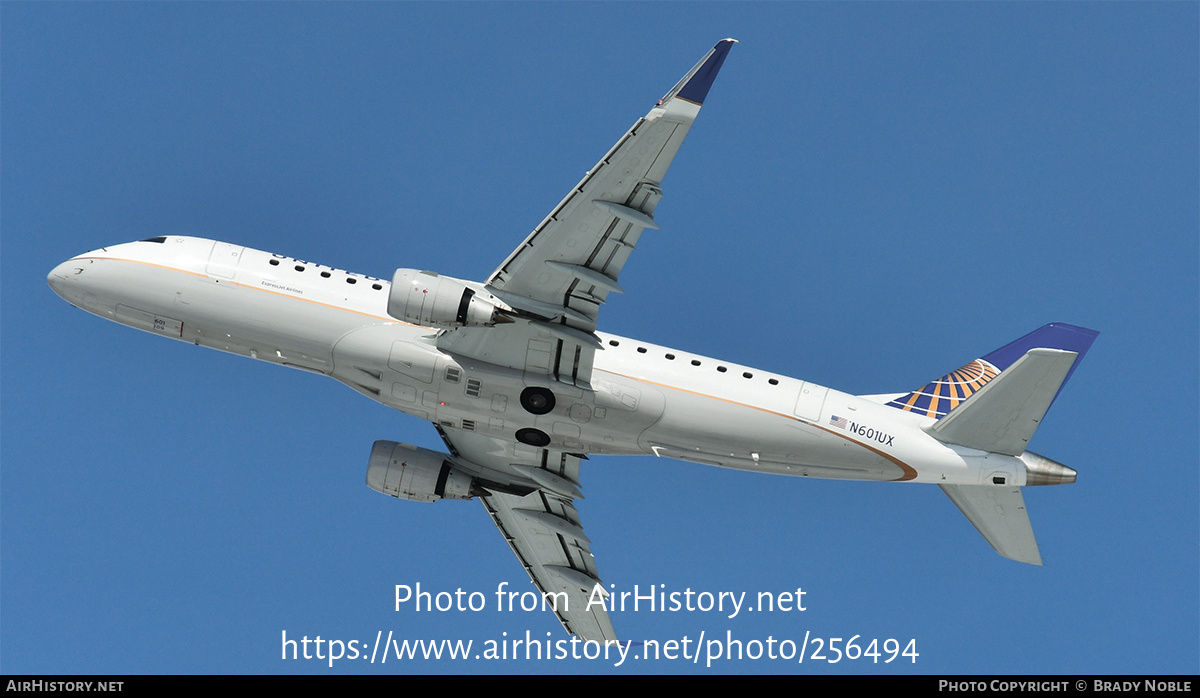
<point x="157" y="239"/>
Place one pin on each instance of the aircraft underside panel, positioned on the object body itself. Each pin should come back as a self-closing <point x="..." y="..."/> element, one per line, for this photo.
<point x="561" y="354"/>
<point x="722" y="432"/>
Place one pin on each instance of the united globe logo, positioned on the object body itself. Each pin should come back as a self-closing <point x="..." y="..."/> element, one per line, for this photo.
<point x="938" y="397"/>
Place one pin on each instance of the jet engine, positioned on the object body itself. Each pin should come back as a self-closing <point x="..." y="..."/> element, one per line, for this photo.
<point x="401" y="470"/>
<point x="429" y="299"/>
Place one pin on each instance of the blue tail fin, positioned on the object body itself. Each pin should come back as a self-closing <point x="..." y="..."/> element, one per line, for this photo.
<point x="936" y="398"/>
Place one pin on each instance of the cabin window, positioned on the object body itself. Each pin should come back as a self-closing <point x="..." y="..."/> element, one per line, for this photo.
<point x="695" y="362"/>
<point x="351" y="280"/>
<point x="670" y="357"/>
<point x="641" y="350"/>
<point x="377" y="287"/>
<point x="747" y="375"/>
<point x="325" y="275"/>
<point x="299" y="268"/>
<point x="773" y="381"/>
<point x="721" y="369"/>
<point x="274" y="262"/>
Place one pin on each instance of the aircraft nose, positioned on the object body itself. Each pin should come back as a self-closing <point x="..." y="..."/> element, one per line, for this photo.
<point x="57" y="277"/>
<point x="61" y="278"/>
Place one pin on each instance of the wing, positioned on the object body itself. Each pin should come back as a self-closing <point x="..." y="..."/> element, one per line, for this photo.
<point x="553" y="285"/>
<point x="559" y="276"/>
<point x="542" y="527"/>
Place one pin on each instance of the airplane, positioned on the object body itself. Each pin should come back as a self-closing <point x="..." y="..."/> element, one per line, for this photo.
<point x="523" y="388"/>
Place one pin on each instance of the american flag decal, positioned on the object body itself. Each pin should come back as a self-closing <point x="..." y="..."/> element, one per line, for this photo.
<point x="839" y="422"/>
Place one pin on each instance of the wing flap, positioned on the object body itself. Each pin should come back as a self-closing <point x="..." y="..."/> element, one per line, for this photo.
<point x="542" y="526"/>
<point x="544" y="532"/>
<point x="999" y="514"/>
<point x="597" y="225"/>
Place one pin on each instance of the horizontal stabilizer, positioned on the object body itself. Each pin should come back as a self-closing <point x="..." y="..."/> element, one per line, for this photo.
<point x="1056" y="335"/>
<point x="937" y="398"/>
<point x="999" y="514"/>
<point x="1002" y="416"/>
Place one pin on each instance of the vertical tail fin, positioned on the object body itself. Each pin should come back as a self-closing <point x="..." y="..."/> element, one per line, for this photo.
<point x="937" y="398"/>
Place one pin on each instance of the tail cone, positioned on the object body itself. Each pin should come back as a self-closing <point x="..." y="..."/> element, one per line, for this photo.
<point x="1040" y="470"/>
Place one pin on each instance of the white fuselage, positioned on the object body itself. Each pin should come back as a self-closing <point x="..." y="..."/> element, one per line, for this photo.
<point x="644" y="399"/>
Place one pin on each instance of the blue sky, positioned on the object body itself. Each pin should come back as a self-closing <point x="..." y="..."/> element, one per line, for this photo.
<point x="874" y="194"/>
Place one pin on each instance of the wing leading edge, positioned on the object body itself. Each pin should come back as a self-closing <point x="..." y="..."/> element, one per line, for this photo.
<point x="564" y="270"/>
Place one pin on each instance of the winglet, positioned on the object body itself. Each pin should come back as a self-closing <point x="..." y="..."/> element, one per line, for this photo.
<point x="695" y="85"/>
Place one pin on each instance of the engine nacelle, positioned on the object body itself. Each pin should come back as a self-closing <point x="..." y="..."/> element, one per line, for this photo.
<point x="401" y="470"/>
<point x="429" y="299"/>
